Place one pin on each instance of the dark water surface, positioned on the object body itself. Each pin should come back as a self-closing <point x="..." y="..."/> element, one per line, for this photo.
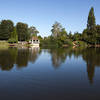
<point x="50" y="74"/>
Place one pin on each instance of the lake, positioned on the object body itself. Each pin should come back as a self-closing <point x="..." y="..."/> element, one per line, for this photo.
<point x="50" y="74"/>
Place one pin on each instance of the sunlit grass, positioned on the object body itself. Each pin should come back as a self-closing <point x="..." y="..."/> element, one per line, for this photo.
<point x="4" y="44"/>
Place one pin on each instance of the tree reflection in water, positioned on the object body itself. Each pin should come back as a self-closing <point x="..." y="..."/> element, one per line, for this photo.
<point x="7" y="58"/>
<point x="21" y="57"/>
<point x="92" y="58"/>
<point x="58" y="56"/>
<point x="90" y="55"/>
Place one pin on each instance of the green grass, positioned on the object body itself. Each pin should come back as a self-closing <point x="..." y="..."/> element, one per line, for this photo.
<point x="4" y="44"/>
<point x="82" y="44"/>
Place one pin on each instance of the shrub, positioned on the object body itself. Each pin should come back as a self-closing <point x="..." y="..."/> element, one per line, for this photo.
<point x="12" y="40"/>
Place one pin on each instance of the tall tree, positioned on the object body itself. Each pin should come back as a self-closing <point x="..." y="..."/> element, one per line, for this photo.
<point x="91" y="23"/>
<point x="6" y="27"/>
<point x="91" y="26"/>
<point x="90" y="34"/>
<point x="56" y="29"/>
<point x="22" y="31"/>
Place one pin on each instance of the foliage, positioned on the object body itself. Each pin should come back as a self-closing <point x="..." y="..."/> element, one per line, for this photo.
<point x="12" y="40"/>
<point x="6" y="27"/>
<point x="11" y="33"/>
<point x="22" y="31"/>
<point x="91" y="33"/>
<point x="56" y="29"/>
<point x="69" y="42"/>
<point x="14" y="37"/>
<point x="40" y="38"/>
<point x="70" y="35"/>
<point x="91" y="23"/>
<point x="48" y="41"/>
<point x="59" y="36"/>
<point x="77" y="36"/>
<point x="33" y="31"/>
<point x="81" y="43"/>
<point x="98" y="34"/>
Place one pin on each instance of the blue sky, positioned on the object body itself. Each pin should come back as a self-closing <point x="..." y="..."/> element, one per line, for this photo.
<point x="42" y="14"/>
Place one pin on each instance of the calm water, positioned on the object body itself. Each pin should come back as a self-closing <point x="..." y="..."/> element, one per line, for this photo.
<point x="50" y="74"/>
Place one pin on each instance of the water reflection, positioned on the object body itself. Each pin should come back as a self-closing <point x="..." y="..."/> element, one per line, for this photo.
<point x="21" y="57"/>
<point x="92" y="58"/>
<point x="58" y="56"/>
<point x="90" y="55"/>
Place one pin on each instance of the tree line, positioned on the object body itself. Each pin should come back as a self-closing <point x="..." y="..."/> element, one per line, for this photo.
<point x="89" y="36"/>
<point x="20" y="32"/>
<point x="59" y="36"/>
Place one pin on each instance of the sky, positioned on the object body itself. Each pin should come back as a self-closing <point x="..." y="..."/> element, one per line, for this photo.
<point x="42" y="14"/>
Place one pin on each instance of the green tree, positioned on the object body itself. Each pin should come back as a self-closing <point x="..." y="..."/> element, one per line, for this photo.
<point x="91" y="23"/>
<point x="91" y="26"/>
<point x="6" y="27"/>
<point x="63" y="32"/>
<point x="98" y="33"/>
<point x="77" y="36"/>
<point x="56" y="29"/>
<point x="22" y="31"/>
<point x="70" y="35"/>
<point x="33" y="31"/>
<point x="14" y="37"/>
<point x="90" y="34"/>
<point x="40" y="38"/>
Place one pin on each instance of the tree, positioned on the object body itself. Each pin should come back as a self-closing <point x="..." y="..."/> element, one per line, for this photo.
<point x="59" y="34"/>
<point x="63" y="32"/>
<point x="84" y="34"/>
<point x="6" y="27"/>
<point x="90" y="34"/>
<point x="56" y="29"/>
<point x="98" y="30"/>
<point x="14" y="37"/>
<point x="40" y="38"/>
<point x="33" y="31"/>
<point x="77" y="36"/>
<point x="70" y="35"/>
<point x="22" y="31"/>
<point x="91" y="23"/>
<point x="91" y="26"/>
<point x="98" y="33"/>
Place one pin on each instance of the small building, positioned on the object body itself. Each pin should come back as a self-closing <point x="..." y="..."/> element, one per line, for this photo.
<point x="34" y="41"/>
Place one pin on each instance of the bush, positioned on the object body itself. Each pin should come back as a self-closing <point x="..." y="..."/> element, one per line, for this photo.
<point x="68" y="42"/>
<point x="12" y="40"/>
<point x="81" y="43"/>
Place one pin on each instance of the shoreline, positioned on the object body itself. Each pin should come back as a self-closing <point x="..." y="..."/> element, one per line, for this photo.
<point x="5" y="44"/>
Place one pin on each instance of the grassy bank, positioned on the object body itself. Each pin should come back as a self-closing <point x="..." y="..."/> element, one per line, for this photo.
<point x="4" y="44"/>
<point x="46" y="44"/>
